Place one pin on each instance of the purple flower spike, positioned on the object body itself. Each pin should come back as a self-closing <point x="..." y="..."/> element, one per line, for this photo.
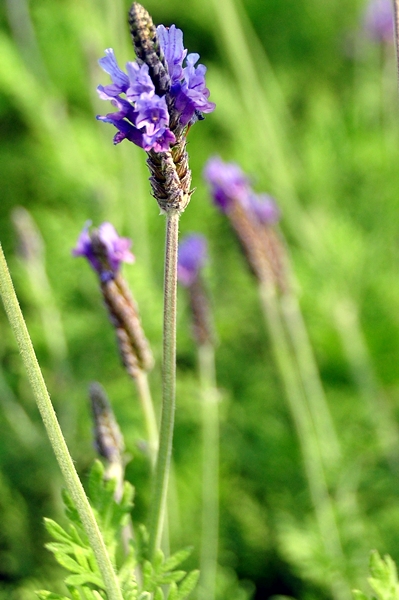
<point x="105" y="260"/>
<point x="160" y="92"/>
<point x="227" y="182"/>
<point x="378" y="20"/>
<point x="192" y="257"/>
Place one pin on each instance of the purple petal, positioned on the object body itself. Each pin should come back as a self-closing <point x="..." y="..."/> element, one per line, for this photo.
<point x="160" y="141"/>
<point x="171" y="42"/>
<point x="109" y="64"/>
<point x="152" y="113"/>
<point x="139" y="81"/>
<point x="193" y="94"/>
<point x="125" y="130"/>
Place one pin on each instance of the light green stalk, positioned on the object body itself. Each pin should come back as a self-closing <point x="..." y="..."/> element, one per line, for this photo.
<point x="54" y="432"/>
<point x="310" y="377"/>
<point x="162" y="468"/>
<point x="210" y="472"/>
<point x="308" y="440"/>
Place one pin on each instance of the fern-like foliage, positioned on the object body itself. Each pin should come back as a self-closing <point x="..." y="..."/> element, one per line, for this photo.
<point x="139" y="578"/>
<point x="383" y="580"/>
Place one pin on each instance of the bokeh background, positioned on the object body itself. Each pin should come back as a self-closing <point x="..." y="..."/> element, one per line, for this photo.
<point x="307" y="103"/>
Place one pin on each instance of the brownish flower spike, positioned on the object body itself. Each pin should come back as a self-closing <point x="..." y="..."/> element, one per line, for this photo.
<point x="147" y="48"/>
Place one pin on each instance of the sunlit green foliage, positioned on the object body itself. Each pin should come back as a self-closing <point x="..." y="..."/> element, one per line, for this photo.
<point x="73" y="552"/>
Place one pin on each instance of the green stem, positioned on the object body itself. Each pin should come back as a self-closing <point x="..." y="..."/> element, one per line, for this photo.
<point x="54" y="432"/>
<point x="141" y="381"/>
<point x="210" y="472"/>
<point x="162" y="468"/>
<point x="308" y="441"/>
<point x="310" y="377"/>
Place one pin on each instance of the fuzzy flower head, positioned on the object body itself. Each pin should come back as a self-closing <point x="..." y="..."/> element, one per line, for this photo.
<point x="229" y="184"/>
<point x="379" y="21"/>
<point x="104" y="250"/>
<point x="191" y="258"/>
<point x="154" y="102"/>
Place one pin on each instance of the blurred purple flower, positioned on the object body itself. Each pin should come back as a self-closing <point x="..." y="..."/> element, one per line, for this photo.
<point x="143" y="117"/>
<point x="229" y="184"/>
<point x="378" y="20"/>
<point x="104" y="249"/>
<point x="227" y="181"/>
<point x="191" y="258"/>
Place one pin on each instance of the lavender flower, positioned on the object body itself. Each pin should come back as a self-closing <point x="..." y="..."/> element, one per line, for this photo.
<point x="251" y="216"/>
<point x="104" y="250"/>
<point x="229" y="184"/>
<point x="378" y="20"/>
<point x="191" y="259"/>
<point x="144" y="116"/>
<point x="192" y="256"/>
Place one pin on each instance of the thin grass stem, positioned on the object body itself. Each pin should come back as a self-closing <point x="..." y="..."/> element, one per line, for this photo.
<point x="308" y="441"/>
<point x="310" y="377"/>
<point x="54" y="432"/>
<point x="162" y="468"/>
<point x="210" y="472"/>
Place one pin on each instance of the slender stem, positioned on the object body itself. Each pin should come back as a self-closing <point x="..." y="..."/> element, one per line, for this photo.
<point x="310" y="378"/>
<point x="396" y="21"/>
<point x="308" y="440"/>
<point x="162" y="468"/>
<point x="210" y="472"/>
<point x="54" y="432"/>
<point x="147" y="406"/>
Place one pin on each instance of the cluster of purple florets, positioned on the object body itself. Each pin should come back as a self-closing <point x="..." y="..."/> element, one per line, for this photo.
<point x="142" y="116"/>
<point x="229" y="184"/>
<point x="115" y="250"/>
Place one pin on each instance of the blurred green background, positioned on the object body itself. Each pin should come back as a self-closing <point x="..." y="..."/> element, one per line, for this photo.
<point x="308" y="106"/>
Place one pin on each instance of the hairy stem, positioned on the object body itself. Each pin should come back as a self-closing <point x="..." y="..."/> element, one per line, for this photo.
<point x="54" y="432"/>
<point x="162" y="468"/>
<point x="210" y="472"/>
